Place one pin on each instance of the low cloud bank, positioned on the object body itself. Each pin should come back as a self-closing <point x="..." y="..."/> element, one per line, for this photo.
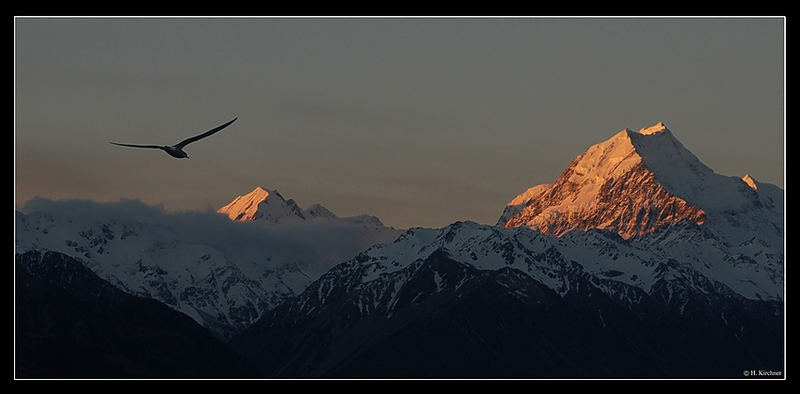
<point x="319" y="243"/>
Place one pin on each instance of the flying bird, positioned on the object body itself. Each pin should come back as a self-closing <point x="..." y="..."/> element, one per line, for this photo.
<point x="177" y="149"/>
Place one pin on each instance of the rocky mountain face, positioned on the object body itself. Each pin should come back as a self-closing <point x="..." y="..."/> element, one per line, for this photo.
<point x="638" y="182"/>
<point x="70" y="323"/>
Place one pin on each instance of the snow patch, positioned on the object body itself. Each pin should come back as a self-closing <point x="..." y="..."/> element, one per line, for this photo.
<point x="656" y="128"/>
<point x="749" y="181"/>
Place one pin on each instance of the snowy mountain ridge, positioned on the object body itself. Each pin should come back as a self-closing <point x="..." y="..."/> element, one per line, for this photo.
<point x="682" y="255"/>
<point x="222" y="273"/>
<point x="623" y="217"/>
<point x="269" y="207"/>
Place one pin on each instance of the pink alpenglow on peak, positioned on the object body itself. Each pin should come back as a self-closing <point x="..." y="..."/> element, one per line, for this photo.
<point x="245" y="207"/>
<point x="529" y="194"/>
<point x="520" y="201"/>
<point x="656" y="128"/>
<point x="269" y="207"/>
<point x="636" y="183"/>
<point x="610" y="186"/>
<point x="750" y="181"/>
<point x="264" y="206"/>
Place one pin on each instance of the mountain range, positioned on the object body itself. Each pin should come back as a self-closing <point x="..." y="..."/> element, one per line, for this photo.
<point x="638" y="261"/>
<point x="223" y="274"/>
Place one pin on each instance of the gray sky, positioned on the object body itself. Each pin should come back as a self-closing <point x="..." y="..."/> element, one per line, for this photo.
<point x="420" y="122"/>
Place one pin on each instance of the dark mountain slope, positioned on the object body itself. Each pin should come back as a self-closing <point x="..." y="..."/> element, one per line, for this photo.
<point x="71" y="323"/>
<point x="443" y="318"/>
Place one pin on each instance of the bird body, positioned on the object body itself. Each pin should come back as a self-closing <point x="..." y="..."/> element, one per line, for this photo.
<point x="177" y="149"/>
<point x="175" y="152"/>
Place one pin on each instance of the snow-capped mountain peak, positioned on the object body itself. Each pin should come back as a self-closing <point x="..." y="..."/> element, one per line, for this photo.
<point x="607" y="187"/>
<point x="637" y="182"/>
<point x="263" y="205"/>
<point x="245" y="207"/>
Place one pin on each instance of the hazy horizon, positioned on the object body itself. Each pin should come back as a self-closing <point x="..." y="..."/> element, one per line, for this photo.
<point x="420" y="122"/>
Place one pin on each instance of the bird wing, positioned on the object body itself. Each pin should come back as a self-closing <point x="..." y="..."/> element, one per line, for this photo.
<point x="188" y="141"/>
<point x="139" y="146"/>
